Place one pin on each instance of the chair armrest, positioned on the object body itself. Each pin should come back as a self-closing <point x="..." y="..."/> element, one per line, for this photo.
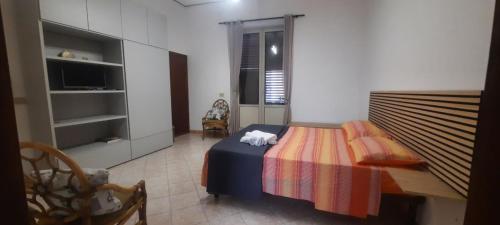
<point x="126" y="190"/>
<point x="137" y="191"/>
<point x="117" y="188"/>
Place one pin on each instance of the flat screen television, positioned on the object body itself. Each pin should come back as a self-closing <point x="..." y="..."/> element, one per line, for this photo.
<point x="83" y="77"/>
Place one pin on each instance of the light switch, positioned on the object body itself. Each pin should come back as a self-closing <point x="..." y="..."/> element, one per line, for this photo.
<point x="221" y="95"/>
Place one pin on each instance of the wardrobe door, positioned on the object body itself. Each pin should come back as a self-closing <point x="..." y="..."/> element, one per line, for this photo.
<point x="68" y="12"/>
<point x="134" y="21"/>
<point x="157" y="29"/>
<point x="105" y="17"/>
<point x="148" y="91"/>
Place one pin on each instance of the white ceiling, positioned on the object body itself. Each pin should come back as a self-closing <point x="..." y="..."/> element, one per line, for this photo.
<point x="196" y="2"/>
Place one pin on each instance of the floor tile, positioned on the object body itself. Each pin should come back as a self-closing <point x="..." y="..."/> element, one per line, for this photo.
<point x="184" y="200"/>
<point x="188" y="216"/>
<point x="228" y="220"/>
<point x="160" y="219"/>
<point x="158" y="206"/>
<point x="182" y="187"/>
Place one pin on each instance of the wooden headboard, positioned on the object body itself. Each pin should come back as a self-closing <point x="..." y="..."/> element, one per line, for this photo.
<point x="439" y="125"/>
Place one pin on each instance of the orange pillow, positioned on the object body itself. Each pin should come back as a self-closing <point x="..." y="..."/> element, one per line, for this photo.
<point x="381" y="151"/>
<point x="356" y="129"/>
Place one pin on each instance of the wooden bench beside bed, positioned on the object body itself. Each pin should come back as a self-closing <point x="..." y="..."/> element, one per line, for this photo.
<point x="438" y="126"/>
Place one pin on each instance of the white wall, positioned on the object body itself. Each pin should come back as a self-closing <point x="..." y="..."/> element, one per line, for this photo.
<point x="329" y="49"/>
<point x="427" y="45"/>
<point x="15" y="67"/>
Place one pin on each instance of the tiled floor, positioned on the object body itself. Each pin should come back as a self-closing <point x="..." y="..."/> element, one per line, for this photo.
<point x="175" y="195"/>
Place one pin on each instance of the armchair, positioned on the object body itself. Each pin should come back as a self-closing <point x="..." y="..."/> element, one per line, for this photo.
<point x="216" y="119"/>
<point x="63" y="194"/>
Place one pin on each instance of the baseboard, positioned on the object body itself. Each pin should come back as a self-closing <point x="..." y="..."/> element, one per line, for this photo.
<point x="196" y="131"/>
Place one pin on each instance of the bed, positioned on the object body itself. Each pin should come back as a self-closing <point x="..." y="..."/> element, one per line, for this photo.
<point x="315" y="164"/>
<point x="235" y="168"/>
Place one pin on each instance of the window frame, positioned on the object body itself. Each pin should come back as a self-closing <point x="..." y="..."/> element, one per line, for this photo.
<point x="261" y="106"/>
<point x="262" y="63"/>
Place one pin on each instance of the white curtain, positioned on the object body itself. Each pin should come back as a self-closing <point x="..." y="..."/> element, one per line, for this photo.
<point x="235" y="46"/>
<point x="288" y="65"/>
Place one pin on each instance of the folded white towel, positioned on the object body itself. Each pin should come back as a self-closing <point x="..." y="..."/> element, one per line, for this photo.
<point x="255" y="141"/>
<point x="259" y="138"/>
<point x="268" y="137"/>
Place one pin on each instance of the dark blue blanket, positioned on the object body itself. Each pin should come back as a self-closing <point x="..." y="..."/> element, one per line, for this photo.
<point x="235" y="168"/>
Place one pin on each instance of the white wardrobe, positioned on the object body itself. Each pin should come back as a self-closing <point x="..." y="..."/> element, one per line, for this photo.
<point x="127" y="41"/>
<point x="148" y="96"/>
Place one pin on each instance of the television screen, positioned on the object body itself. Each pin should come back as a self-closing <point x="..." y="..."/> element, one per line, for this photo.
<point x="79" y="76"/>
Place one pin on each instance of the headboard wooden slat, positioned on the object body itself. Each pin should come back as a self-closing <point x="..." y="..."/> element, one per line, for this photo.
<point x="439" y="148"/>
<point x="428" y="126"/>
<point x="438" y="125"/>
<point x="470" y="114"/>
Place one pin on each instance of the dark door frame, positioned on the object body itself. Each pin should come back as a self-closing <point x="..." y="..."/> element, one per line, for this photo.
<point x="182" y="106"/>
<point x="12" y="186"/>
<point x="484" y="189"/>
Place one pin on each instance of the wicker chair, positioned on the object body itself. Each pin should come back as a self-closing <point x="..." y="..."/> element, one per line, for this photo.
<point x="42" y="193"/>
<point x="212" y="124"/>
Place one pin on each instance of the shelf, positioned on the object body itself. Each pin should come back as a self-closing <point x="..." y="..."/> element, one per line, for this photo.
<point x="60" y="59"/>
<point x="99" y="154"/>
<point x="87" y="92"/>
<point x="86" y="120"/>
<point x="93" y="145"/>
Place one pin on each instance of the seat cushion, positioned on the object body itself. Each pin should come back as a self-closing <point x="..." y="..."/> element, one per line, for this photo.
<point x="102" y="202"/>
<point x="114" y="217"/>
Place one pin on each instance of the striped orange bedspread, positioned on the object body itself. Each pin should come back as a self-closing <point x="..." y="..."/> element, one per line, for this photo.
<point x="316" y="165"/>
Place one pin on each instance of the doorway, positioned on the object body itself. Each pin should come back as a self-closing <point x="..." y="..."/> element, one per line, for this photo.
<point x="262" y="85"/>
<point x="179" y="93"/>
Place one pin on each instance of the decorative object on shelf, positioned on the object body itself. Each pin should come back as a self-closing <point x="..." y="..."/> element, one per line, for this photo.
<point x="85" y="58"/>
<point x="66" y="54"/>
<point x="216" y="118"/>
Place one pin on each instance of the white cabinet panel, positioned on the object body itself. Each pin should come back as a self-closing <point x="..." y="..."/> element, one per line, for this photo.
<point x="157" y="29"/>
<point x="146" y="145"/>
<point x="148" y="88"/>
<point x="68" y="12"/>
<point x="134" y="21"/>
<point x="105" y="17"/>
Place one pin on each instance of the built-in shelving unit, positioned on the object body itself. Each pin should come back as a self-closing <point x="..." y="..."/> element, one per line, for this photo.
<point x="87" y="95"/>
<point x="122" y="46"/>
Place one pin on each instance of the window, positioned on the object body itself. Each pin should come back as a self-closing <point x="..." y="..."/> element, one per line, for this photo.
<point x="274" y="79"/>
<point x="249" y="71"/>
<point x="262" y="63"/>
